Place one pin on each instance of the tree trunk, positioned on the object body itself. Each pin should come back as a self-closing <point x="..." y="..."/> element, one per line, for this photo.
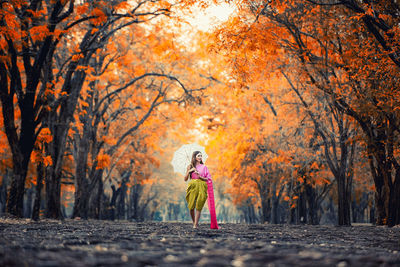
<point x="312" y="205"/>
<point x="380" y="173"/>
<point x="247" y="209"/>
<point x="59" y="123"/>
<point x="81" y="182"/>
<point x="121" y="201"/>
<point x="274" y="210"/>
<point x="372" y="218"/>
<point x="134" y="198"/>
<point x="53" y="195"/>
<point x="394" y="209"/>
<point x="99" y="197"/>
<point x="252" y="213"/>
<point x="136" y="191"/>
<point x="115" y="193"/>
<point x="301" y="217"/>
<point x="3" y="192"/>
<point x="343" y="203"/>
<point x="96" y="193"/>
<point x="38" y="196"/>
<point x="15" y="201"/>
<point x="358" y="209"/>
<point x="21" y="138"/>
<point x="265" y="207"/>
<point x="28" y="202"/>
<point x="81" y="199"/>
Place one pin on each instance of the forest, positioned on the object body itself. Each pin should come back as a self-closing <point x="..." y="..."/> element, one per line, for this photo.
<point x="297" y="103"/>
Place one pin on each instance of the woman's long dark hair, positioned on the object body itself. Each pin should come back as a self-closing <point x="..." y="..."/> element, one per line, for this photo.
<point x="193" y="163"/>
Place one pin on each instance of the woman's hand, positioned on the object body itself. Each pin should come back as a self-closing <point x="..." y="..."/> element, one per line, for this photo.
<point x="205" y="179"/>
<point x="190" y="169"/>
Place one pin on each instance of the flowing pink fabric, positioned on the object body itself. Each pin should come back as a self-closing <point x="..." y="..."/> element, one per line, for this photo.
<point x="211" y="204"/>
<point x="203" y="171"/>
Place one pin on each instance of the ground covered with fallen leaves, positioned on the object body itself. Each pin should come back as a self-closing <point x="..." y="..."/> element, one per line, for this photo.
<point x="107" y="243"/>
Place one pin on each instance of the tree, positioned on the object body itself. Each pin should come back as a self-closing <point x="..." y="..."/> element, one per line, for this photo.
<point x="319" y="40"/>
<point x="46" y="50"/>
<point x="369" y="104"/>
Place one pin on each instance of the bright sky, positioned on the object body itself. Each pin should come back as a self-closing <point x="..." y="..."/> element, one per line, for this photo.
<point x="204" y="20"/>
<point x="212" y="16"/>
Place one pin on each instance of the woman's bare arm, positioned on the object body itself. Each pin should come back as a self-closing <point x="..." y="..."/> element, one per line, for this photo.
<point x="189" y="170"/>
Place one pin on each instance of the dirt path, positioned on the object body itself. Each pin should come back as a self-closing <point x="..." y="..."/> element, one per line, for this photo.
<point x="101" y="243"/>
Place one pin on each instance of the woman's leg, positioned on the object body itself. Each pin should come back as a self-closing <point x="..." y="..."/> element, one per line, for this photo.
<point x="192" y="215"/>
<point x="197" y="218"/>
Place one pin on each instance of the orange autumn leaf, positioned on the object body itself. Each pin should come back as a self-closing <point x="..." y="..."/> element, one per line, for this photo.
<point x="45" y="135"/>
<point x="47" y="161"/>
<point x="103" y="161"/>
<point x="38" y="33"/>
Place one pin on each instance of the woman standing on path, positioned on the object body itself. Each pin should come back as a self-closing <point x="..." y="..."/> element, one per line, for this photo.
<point x="196" y="193"/>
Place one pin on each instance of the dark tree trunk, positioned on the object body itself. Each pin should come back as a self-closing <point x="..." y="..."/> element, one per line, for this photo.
<point x="81" y="200"/>
<point x="28" y="203"/>
<point x="344" y="178"/>
<point x="136" y="193"/>
<point x="59" y="126"/>
<point x="394" y="209"/>
<point x="53" y="196"/>
<point x="81" y="181"/>
<point x="252" y="214"/>
<point x="22" y="138"/>
<point x="275" y="199"/>
<point x="21" y="146"/>
<point x="3" y="193"/>
<point x="302" y="209"/>
<point x="99" y="197"/>
<point x="380" y="173"/>
<point x="263" y="190"/>
<point x="355" y="212"/>
<point x="105" y="211"/>
<point x="343" y="203"/>
<point x="96" y="192"/>
<point x="372" y="218"/>
<point x="121" y="201"/>
<point x="38" y="195"/>
<point x="86" y="183"/>
<point x="275" y="211"/>
<point x="15" y="201"/>
<point x="248" y="212"/>
<point x="313" y="206"/>
<point x="292" y="215"/>
<point x="266" y="210"/>
<point x="330" y="212"/>
<point x="380" y="201"/>
<point x="358" y="209"/>
<point x="115" y="193"/>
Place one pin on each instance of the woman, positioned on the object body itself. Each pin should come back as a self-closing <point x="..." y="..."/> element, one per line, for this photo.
<point x="196" y="193"/>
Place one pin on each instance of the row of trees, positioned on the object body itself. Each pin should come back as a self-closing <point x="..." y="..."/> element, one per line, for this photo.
<point x="315" y="107"/>
<point x="87" y="90"/>
<point x="296" y="101"/>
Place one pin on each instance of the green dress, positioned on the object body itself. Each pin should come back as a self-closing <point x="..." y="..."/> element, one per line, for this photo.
<point x="196" y="193"/>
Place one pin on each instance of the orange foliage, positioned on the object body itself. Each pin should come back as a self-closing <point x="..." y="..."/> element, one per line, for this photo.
<point x="103" y="161"/>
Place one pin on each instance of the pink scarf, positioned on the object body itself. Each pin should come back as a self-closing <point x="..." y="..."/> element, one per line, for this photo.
<point x="203" y="171"/>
